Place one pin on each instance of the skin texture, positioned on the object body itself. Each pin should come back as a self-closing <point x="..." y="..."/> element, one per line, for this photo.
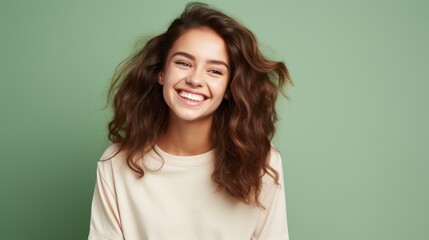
<point x="197" y="67"/>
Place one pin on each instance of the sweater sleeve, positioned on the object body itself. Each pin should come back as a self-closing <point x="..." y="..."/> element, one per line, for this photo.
<point x="273" y="220"/>
<point x="105" y="219"/>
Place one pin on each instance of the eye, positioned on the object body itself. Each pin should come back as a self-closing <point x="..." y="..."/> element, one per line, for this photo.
<point x="214" y="71"/>
<point x="183" y="64"/>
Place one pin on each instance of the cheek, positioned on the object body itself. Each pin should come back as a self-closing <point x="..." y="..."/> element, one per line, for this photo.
<point x="168" y="96"/>
<point x="167" y="90"/>
<point x="174" y="75"/>
<point x="220" y="88"/>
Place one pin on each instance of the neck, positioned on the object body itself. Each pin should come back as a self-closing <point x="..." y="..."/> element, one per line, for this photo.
<point x="186" y="138"/>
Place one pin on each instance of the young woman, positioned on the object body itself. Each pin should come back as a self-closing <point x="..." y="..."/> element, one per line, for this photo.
<point x="194" y="113"/>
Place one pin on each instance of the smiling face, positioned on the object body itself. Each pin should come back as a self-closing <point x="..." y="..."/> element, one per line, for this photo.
<point x="196" y="75"/>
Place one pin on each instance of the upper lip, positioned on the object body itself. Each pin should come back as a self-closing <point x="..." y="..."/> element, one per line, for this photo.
<point x="193" y="92"/>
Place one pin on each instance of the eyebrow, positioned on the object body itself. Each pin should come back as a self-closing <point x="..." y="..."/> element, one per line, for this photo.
<point x="187" y="55"/>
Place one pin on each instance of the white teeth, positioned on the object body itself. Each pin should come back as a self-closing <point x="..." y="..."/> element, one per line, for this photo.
<point x="191" y="96"/>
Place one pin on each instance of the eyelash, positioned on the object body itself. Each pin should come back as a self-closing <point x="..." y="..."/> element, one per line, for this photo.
<point x="185" y="64"/>
<point x="216" y="72"/>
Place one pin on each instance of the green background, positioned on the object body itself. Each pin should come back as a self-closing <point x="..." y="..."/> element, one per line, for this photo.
<point x="354" y="135"/>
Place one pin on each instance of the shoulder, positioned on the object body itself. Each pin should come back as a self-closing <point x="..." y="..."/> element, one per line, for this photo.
<point x="110" y="152"/>
<point x="110" y="159"/>
<point x="276" y="171"/>
<point x="272" y="181"/>
<point x="275" y="159"/>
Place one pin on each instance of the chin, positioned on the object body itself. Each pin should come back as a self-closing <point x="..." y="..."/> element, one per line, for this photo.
<point x="192" y="117"/>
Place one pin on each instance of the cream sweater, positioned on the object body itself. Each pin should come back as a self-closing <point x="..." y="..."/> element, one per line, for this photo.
<point x="176" y="199"/>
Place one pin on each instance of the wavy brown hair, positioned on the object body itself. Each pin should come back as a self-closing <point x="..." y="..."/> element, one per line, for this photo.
<point x="243" y="125"/>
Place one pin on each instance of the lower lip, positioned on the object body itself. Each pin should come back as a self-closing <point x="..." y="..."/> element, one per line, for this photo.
<point x="188" y="101"/>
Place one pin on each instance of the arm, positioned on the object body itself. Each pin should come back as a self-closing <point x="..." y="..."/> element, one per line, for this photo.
<point x="105" y="219"/>
<point x="273" y="220"/>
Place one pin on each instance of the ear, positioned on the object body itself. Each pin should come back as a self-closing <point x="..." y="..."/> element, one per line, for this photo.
<point x="161" y="78"/>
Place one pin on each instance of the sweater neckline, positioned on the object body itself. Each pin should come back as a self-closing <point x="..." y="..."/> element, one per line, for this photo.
<point x="182" y="161"/>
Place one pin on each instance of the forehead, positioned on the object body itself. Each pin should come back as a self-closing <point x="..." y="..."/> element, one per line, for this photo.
<point x="202" y="43"/>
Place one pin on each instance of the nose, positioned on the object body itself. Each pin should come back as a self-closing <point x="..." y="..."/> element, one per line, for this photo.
<point x="195" y="78"/>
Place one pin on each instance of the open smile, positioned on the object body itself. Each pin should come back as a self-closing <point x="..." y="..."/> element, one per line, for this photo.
<point x="195" y="97"/>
